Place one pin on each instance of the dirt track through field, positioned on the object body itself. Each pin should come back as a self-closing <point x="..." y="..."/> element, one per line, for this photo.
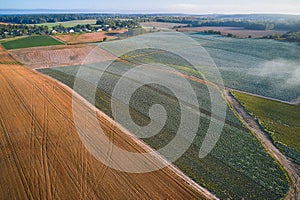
<point x="255" y="128"/>
<point x="42" y="156"/>
<point x="251" y="124"/>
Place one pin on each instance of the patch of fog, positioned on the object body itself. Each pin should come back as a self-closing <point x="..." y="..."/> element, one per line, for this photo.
<point x="279" y="69"/>
<point x="295" y="78"/>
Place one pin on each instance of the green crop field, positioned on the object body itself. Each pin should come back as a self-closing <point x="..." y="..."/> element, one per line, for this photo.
<point x="259" y="66"/>
<point x="31" y="41"/>
<point x="281" y="121"/>
<point x="11" y="39"/>
<point x="68" y="24"/>
<point x="237" y="168"/>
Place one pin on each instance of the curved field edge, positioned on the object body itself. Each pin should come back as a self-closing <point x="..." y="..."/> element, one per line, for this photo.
<point x="42" y="156"/>
<point x="6" y="58"/>
<point x="220" y="172"/>
<point x="255" y="128"/>
<point x="59" y="55"/>
<point x="281" y="121"/>
<point x="231" y="107"/>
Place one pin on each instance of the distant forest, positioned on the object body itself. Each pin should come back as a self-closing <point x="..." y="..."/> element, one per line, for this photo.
<point x="254" y="22"/>
<point x="247" y="24"/>
<point x="52" y="18"/>
<point x="290" y="23"/>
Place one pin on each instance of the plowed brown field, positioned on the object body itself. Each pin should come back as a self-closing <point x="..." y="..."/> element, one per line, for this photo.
<point x="55" y="56"/>
<point x="88" y="37"/>
<point x="5" y="58"/>
<point x="42" y="156"/>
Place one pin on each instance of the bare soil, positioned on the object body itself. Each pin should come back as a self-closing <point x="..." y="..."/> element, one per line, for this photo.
<point x="42" y="156"/>
<point x="88" y="37"/>
<point x="5" y="58"/>
<point x="56" y="56"/>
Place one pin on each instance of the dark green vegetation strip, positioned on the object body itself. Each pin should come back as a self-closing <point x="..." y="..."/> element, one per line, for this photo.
<point x="11" y="63"/>
<point x="32" y="41"/>
<point x="237" y="168"/>
<point x="281" y="121"/>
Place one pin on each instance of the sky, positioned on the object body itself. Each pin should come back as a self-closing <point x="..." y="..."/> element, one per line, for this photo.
<point x="162" y="6"/>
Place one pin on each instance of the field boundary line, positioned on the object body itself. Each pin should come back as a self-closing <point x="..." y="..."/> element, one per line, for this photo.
<point x="171" y="167"/>
<point x="263" y="138"/>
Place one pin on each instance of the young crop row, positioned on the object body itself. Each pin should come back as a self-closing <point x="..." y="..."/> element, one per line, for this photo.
<point x="279" y="120"/>
<point x="263" y="67"/>
<point x="31" y="41"/>
<point x="237" y="168"/>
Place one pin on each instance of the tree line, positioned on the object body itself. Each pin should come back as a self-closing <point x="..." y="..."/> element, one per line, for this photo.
<point x="9" y="30"/>
<point x="26" y="24"/>
<point x="14" y="30"/>
<point x="247" y="24"/>
<point x="292" y="36"/>
<point x="45" y="18"/>
<point x="52" y="18"/>
<point x="118" y="23"/>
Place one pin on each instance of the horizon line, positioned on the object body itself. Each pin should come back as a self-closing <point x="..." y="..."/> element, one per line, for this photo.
<point x="91" y="11"/>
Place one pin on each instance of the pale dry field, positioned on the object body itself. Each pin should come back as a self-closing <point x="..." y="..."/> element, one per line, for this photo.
<point x="42" y="156"/>
<point x="240" y="32"/>
<point x="88" y="37"/>
<point x="56" y="56"/>
<point x="5" y="58"/>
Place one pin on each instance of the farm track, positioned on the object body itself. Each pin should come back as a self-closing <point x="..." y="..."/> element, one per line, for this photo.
<point x="42" y="156"/>
<point x="87" y="187"/>
<point x="251" y="124"/>
<point x="291" y="168"/>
